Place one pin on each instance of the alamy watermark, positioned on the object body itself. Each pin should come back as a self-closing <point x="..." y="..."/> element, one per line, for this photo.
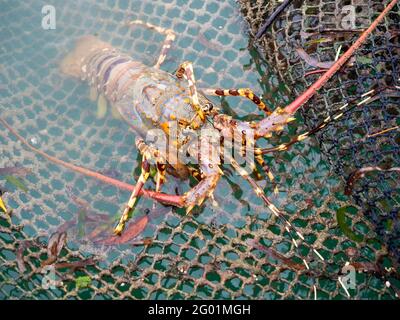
<point x="49" y="280"/>
<point x="49" y="17"/>
<point x="348" y="278"/>
<point x="348" y="21"/>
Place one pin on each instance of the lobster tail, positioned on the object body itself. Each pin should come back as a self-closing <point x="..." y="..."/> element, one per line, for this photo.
<point x="74" y="63"/>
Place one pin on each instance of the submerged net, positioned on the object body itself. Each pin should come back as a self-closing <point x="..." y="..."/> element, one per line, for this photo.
<point x="234" y="249"/>
<point x="321" y="28"/>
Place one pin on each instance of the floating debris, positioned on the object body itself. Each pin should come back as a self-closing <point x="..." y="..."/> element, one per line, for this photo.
<point x="11" y="173"/>
<point x="209" y="44"/>
<point x="275" y="255"/>
<point x="20" y="252"/>
<point x="54" y="247"/>
<point x="20" y="259"/>
<point x="83" y="282"/>
<point x="82" y="213"/>
<point x="334" y="34"/>
<point x="76" y="264"/>
<point x="344" y="287"/>
<point x="14" y="171"/>
<point x="383" y="131"/>
<point x="316" y="41"/>
<point x="16" y="183"/>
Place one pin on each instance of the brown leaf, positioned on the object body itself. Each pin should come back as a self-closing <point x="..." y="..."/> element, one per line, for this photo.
<point x="312" y="61"/>
<point x="133" y="230"/>
<point x="15" y="171"/>
<point x="54" y="247"/>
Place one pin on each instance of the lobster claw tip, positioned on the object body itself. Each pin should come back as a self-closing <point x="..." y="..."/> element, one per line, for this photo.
<point x="189" y="209"/>
<point x="118" y="229"/>
<point x="3" y="206"/>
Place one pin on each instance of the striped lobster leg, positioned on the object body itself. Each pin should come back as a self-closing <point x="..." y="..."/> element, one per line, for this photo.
<point x="209" y="176"/>
<point x="160" y="178"/>
<point x="242" y="92"/>
<point x="278" y="213"/>
<point x="267" y="171"/>
<point x="185" y="70"/>
<point x="210" y="172"/>
<point x="169" y="39"/>
<point x="147" y="153"/>
<point x="195" y="173"/>
<point x="2" y="204"/>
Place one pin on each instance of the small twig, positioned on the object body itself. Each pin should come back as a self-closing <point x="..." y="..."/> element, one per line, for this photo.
<point x="23" y="245"/>
<point x="338" y="53"/>
<point x="335" y="32"/>
<point x="314" y="72"/>
<point x="276" y="255"/>
<point x="382" y="132"/>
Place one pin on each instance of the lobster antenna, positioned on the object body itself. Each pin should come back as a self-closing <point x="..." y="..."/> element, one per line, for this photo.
<point x="278" y="213"/>
<point x="343" y="110"/>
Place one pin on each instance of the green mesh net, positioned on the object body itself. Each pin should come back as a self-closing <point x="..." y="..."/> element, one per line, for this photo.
<point x="322" y="29"/>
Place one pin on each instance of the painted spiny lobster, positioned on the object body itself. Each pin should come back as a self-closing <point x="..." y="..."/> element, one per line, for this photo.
<point x="148" y="97"/>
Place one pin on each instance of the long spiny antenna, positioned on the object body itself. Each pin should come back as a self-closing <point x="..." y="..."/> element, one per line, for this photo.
<point x="278" y="213"/>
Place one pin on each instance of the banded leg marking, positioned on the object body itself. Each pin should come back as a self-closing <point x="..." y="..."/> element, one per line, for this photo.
<point x="148" y="153"/>
<point x="260" y="160"/>
<point x="195" y="173"/>
<point x="185" y="70"/>
<point x="242" y="92"/>
<point x="144" y="175"/>
<point x="2" y="204"/>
